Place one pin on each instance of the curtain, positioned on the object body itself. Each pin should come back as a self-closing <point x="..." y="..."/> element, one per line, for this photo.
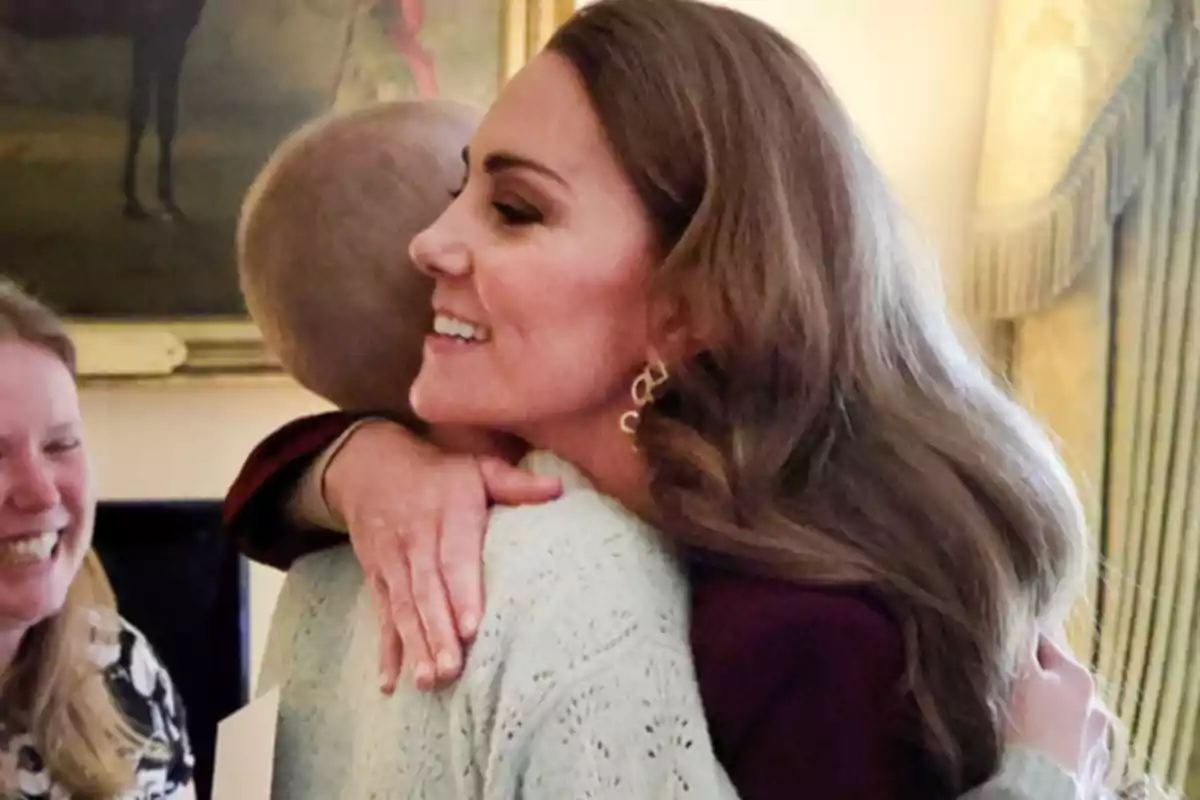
<point x="1065" y="140"/>
<point x="1149" y="625"/>
<point x="1084" y="248"/>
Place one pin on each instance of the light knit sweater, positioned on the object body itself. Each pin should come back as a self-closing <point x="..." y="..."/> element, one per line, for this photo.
<point x="580" y="683"/>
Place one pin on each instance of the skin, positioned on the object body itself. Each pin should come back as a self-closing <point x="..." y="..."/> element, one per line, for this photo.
<point x="45" y="484"/>
<point x="547" y="248"/>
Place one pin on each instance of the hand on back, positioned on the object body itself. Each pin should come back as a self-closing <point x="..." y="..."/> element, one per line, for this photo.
<point x="1054" y="710"/>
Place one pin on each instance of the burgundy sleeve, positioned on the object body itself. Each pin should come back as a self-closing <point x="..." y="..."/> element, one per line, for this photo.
<point x="254" y="505"/>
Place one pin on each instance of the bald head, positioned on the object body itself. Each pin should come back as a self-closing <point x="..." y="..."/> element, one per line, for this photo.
<point x="323" y="247"/>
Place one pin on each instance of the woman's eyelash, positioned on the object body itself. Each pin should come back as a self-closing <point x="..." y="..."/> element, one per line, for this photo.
<point x="514" y="215"/>
<point x="511" y="214"/>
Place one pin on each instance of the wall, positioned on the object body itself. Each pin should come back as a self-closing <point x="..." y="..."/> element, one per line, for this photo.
<point x="913" y="80"/>
<point x="913" y="75"/>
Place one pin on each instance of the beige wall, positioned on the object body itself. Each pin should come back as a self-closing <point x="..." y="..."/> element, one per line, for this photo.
<point x="913" y="75"/>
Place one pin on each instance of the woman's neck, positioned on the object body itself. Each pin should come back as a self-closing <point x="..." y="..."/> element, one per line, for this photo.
<point x="477" y="442"/>
<point x="603" y="452"/>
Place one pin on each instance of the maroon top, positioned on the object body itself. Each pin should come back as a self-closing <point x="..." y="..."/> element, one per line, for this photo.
<point x="801" y="685"/>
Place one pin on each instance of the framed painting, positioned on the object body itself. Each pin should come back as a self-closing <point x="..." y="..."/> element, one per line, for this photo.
<point x="130" y="129"/>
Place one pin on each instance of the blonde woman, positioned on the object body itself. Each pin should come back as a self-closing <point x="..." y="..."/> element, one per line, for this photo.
<point x="86" y="710"/>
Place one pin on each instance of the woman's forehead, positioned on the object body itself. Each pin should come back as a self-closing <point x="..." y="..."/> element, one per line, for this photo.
<point x="544" y="110"/>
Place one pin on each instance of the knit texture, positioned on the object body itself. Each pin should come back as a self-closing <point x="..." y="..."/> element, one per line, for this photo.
<point x="579" y="685"/>
<point x="1027" y="775"/>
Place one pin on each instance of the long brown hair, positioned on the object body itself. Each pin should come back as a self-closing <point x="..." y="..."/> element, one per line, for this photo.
<point x="834" y="429"/>
<point x="53" y="689"/>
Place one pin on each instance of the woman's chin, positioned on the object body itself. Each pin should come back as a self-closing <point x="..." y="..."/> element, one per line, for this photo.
<point x="34" y="600"/>
<point x="437" y="403"/>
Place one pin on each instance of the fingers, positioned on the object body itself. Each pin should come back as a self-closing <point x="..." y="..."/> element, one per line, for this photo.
<point x="390" y="649"/>
<point x="511" y="486"/>
<point x="1051" y="655"/>
<point x="1030" y="667"/>
<point x="1097" y="728"/>
<point x="461" y="559"/>
<point x="1075" y="677"/>
<point x="1096" y="735"/>
<point x="433" y="609"/>
<point x="405" y="619"/>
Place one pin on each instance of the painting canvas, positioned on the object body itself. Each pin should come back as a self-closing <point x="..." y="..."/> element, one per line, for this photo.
<point x="130" y="129"/>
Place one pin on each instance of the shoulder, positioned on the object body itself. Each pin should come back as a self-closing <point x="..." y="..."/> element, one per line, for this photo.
<point x="144" y="692"/>
<point x="580" y="543"/>
<point x="582" y="668"/>
<point x="127" y="658"/>
<point x="1026" y="775"/>
<point x="576" y="585"/>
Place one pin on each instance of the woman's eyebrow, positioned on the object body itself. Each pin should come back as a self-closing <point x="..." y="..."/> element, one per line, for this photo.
<point x="502" y="161"/>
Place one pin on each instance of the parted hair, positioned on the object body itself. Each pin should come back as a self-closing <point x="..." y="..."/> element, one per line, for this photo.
<point x="832" y="429"/>
<point x="322" y="246"/>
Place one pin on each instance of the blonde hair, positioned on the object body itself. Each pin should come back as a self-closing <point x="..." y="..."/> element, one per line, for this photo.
<point x="833" y="430"/>
<point x="323" y="246"/>
<point x="53" y="688"/>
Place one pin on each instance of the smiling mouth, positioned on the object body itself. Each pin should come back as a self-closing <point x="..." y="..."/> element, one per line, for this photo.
<point x="461" y="330"/>
<point x="30" y="550"/>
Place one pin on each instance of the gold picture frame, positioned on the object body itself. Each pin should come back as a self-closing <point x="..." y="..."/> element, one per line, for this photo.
<point x="156" y="349"/>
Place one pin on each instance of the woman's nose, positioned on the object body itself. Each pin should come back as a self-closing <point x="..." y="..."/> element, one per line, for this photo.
<point x="439" y="252"/>
<point x="33" y="486"/>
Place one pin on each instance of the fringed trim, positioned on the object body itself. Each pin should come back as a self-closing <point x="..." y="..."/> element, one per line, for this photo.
<point x="1022" y="259"/>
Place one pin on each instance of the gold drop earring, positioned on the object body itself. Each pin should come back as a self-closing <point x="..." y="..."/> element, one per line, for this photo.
<point x="644" y="385"/>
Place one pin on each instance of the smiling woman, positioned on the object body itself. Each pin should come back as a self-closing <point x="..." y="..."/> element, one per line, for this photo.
<point x="85" y="707"/>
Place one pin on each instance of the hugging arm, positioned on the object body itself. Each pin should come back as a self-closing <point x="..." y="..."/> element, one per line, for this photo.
<point x="415" y="517"/>
<point x="255" y="508"/>
<point x="825" y="715"/>
<point x="828" y="731"/>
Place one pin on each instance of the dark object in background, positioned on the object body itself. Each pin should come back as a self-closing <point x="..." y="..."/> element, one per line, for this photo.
<point x="158" y="32"/>
<point x="180" y="581"/>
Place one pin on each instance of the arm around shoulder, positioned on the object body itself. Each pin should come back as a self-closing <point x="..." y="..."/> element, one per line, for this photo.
<point x="257" y="504"/>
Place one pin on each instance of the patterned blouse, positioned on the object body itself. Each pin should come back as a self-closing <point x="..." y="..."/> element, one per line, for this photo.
<point x="144" y="691"/>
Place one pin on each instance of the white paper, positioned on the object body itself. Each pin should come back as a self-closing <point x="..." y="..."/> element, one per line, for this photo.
<point x="246" y="750"/>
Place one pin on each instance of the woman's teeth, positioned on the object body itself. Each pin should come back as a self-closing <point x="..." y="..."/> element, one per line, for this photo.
<point x="446" y="325"/>
<point x="27" y="550"/>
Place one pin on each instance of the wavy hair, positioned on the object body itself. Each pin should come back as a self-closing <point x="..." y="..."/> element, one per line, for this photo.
<point x="833" y="430"/>
<point x="53" y="688"/>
